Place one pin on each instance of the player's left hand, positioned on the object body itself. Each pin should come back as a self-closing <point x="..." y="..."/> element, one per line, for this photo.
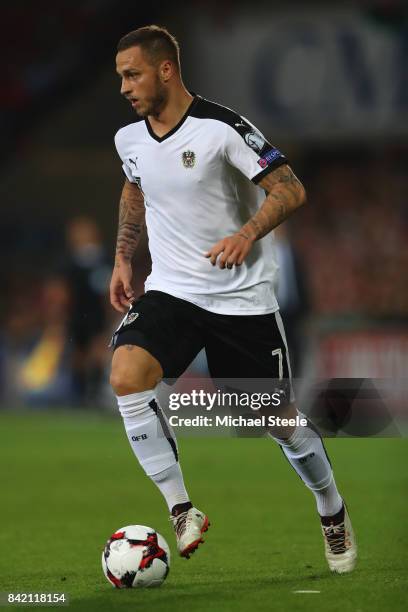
<point x="231" y="251"/>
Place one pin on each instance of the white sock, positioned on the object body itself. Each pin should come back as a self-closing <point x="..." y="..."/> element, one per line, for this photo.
<point x="153" y="442"/>
<point x="328" y="500"/>
<point x="305" y="452"/>
<point x="171" y="484"/>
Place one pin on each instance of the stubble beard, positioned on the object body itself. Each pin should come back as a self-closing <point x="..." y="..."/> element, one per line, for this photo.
<point x="155" y="104"/>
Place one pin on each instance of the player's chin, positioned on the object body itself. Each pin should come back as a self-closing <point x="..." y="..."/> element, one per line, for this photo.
<point x="139" y="109"/>
<point x="143" y="111"/>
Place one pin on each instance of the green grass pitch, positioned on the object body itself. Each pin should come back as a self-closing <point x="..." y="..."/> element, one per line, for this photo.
<point x="68" y="480"/>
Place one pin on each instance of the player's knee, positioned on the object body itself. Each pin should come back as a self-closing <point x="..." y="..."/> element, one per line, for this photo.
<point x="125" y="381"/>
<point x="134" y="371"/>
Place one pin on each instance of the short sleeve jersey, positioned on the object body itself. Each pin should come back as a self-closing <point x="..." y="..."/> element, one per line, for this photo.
<point x="200" y="184"/>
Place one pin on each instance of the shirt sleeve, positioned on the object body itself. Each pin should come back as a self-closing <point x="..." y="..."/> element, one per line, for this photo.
<point x="126" y="161"/>
<point x="128" y="174"/>
<point x="249" y="151"/>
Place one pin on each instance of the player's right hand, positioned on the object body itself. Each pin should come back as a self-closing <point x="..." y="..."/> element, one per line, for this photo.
<point x="121" y="292"/>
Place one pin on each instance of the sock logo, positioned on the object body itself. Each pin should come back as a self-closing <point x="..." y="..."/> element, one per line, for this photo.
<point x="138" y="438"/>
<point x="304" y="459"/>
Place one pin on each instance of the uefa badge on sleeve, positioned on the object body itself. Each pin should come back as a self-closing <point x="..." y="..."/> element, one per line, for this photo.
<point x="189" y="159"/>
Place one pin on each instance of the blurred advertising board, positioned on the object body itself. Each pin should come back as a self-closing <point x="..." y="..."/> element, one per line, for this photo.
<point x="354" y="354"/>
<point x="306" y="74"/>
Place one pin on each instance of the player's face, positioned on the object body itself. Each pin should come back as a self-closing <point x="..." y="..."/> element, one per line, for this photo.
<point x="141" y="83"/>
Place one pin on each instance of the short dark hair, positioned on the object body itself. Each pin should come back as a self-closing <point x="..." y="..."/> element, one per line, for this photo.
<point x="156" y="42"/>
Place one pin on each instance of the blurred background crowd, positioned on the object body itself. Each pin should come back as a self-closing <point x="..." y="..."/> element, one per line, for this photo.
<point x="328" y="85"/>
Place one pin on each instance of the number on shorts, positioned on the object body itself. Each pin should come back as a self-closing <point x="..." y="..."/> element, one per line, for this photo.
<point x="278" y="352"/>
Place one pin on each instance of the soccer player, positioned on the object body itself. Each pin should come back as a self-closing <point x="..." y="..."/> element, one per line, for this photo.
<point x="211" y="189"/>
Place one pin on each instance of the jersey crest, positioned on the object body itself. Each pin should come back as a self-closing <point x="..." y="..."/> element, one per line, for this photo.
<point x="132" y="316"/>
<point x="188" y="158"/>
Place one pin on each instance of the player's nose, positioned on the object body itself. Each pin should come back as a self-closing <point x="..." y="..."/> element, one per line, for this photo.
<point x="125" y="87"/>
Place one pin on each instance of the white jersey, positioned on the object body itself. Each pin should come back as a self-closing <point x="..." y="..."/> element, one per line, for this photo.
<point x="196" y="189"/>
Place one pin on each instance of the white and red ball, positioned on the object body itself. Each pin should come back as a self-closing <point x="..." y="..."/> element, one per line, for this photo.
<point x="136" y="556"/>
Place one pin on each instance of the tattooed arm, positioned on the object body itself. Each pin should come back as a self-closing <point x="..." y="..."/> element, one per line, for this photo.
<point x="285" y="193"/>
<point x="131" y="223"/>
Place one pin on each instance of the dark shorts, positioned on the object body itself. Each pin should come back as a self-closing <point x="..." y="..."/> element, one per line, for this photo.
<point x="174" y="331"/>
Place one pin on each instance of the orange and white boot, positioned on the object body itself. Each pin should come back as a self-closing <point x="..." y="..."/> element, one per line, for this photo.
<point x="189" y="527"/>
<point x="339" y="542"/>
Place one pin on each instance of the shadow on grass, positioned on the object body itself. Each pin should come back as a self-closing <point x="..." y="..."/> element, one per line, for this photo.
<point x="202" y="594"/>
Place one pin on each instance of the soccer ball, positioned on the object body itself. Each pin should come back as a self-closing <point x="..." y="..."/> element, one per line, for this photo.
<point x="136" y="556"/>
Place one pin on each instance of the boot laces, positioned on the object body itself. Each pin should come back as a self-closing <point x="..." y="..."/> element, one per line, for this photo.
<point x="336" y="537"/>
<point x="180" y="522"/>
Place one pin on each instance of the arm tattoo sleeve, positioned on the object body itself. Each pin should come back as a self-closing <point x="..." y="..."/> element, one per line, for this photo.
<point x="285" y="194"/>
<point x="131" y="221"/>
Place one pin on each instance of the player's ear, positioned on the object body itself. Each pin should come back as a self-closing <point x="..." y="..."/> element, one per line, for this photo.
<point x="166" y="71"/>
